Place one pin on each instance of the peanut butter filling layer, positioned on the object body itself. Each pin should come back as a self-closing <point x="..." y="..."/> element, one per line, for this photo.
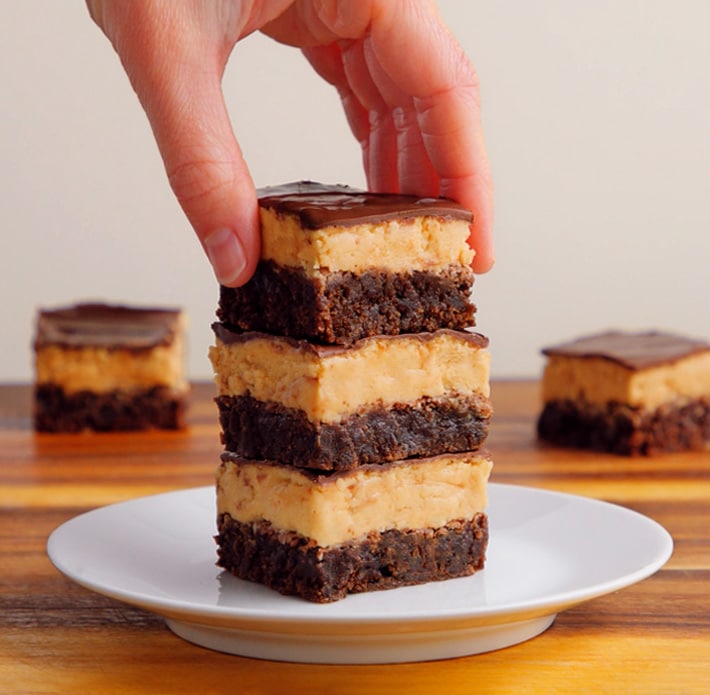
<point x="426" y="493"/>
<point x="102" y="370"/>
<point x="328" y="383"/>
<point x="319" y="227"/>
<point x="423" y="243"/>
<point x="598" y="381"/>
<point x="645" y="370"/>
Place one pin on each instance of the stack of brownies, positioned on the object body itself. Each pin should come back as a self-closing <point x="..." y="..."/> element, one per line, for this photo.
<point x="353" y="397"/>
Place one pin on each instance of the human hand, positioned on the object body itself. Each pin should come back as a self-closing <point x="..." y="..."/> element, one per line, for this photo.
<point x="410" y="95"/>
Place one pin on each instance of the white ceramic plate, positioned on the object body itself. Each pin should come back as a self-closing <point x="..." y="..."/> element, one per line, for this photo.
<point x="547" y="552"/>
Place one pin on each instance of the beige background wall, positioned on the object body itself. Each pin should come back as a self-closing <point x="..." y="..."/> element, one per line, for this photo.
<point x="597" y="120"/>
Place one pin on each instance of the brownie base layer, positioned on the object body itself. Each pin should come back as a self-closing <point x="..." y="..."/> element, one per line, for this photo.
<point x="155" y="408"/>
<point x="346" y="307"/>
<point x="623" y="429"/>
<point x="262" y="430"/>
<point x="293" y="565"/>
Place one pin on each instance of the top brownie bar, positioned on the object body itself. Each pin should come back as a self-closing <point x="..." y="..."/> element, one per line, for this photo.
<point x="355" y="264"/>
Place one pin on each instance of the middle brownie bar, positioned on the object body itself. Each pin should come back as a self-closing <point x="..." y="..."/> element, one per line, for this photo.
<point x="331" y="408"/>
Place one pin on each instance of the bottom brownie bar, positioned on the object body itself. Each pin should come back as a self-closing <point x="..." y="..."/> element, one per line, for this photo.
<point x="622" y="429"/>
<point x="293" y="565"/>
<point x="154" y="408"/>
<point x="322" y="535"/>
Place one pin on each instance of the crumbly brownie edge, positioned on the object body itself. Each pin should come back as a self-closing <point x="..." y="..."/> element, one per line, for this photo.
<point x="623" y="429"/>
<point x="265" y="430"/>
<point x="294" y="565"/>
<point x="343" y="307"/>
<point x="114" y="411"/>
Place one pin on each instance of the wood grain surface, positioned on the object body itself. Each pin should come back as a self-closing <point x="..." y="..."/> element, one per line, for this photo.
<point x="56" y="637"/>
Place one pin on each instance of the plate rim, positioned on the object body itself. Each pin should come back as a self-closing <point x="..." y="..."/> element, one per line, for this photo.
<point x="272" y="622"/>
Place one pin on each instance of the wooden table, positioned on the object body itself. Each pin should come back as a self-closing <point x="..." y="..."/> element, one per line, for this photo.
<point x="56" y="637"/>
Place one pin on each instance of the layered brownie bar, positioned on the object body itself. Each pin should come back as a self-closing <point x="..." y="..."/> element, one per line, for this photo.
<point x="104" y="367"/>
<point x="339" y="264"/>
<point x="334" y="408"/>
<point x="627" y="393"/>
<point x="322" y="536"/>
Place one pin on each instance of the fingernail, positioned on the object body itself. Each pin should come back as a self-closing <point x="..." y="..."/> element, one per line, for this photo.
<point x="226" y="255"/>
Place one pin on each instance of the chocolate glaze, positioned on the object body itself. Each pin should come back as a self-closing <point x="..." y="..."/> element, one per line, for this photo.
<point x="106" y="325"/>
<point x="320" y="477"/>
<point x="632" y="350"/>
<point x="228" y="337"/>
<point x="319" y="205"/>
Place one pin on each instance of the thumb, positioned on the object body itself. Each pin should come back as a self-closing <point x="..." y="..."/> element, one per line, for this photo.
<point x="175" y="66"/>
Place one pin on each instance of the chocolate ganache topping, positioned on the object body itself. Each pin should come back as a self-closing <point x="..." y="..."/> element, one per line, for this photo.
<point x="106" y="326"/>
<point x="632" y="350"/>
<point x="319" y="205"/>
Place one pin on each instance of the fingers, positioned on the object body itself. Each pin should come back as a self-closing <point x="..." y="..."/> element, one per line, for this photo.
<point x="412" y="100"/>
<point x="436" y="97"/>
<point x="175" y="66"/>
<point x="465" y="174"/>
<point x="415" y="170"/>
<point x="380" y="146"/>
<point x="370" y="119"/>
